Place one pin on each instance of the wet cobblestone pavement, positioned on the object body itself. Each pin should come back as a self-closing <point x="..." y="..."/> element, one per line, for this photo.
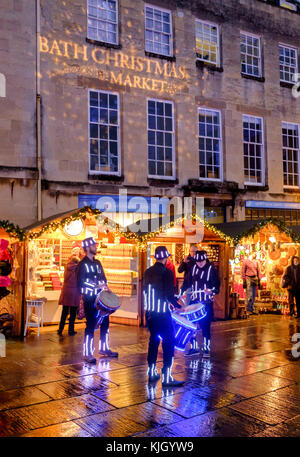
<point x="249" y="387"/>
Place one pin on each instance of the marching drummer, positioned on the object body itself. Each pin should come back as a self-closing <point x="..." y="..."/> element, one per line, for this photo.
<point x="204" y="283"/>
<point x="91" y="279"/>
<point x="158" y="291"/>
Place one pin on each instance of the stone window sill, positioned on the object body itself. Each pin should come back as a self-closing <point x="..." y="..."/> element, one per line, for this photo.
<point x="156" y="182"/>
<point x="160" y="56"/>
<point x="103" y="44"/>
<point x="102" y="177"/>
<point x="287" y="84"/>
<point x="260" y="79"/>
<point x="209" y="66"/>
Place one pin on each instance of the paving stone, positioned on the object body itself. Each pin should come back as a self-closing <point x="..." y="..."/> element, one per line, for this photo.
<point x="150" y="415"/>
<point x="220" y="423"/>
<point x="112" y="424"/>
<point x="20" y="420"/>
<point x="198" y="401"/>
<point x="268" y="408"/>
<point x="254" y="384"/>
<point x="290" y="428"/>
<point x="82" y="369"/>
<point x="291" y="371"/>
<point x="11" y="381"/>
<point x="75" y="387"/>
<point x="66" y="429"/>
<point x="21" y="397"/>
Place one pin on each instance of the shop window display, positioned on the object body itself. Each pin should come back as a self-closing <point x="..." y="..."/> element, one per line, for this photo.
<point x="274" y="251"/>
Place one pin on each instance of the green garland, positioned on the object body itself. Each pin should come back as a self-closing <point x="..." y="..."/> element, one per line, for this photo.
<point x="52" y="226"/>
<point x="142" y="240"/>
<point x="13" y="230"/>
<point x="257" y="227"/>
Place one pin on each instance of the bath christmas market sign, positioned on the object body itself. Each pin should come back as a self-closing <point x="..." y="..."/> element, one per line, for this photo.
<point x="115" y="67"/>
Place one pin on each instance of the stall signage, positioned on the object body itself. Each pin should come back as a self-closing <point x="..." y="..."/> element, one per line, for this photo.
<point x="271" y="205"/>
<point x="124" y="203"/>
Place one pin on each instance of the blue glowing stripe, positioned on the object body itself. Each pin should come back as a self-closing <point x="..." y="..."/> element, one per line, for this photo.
<point x="193" y="327"/>
<point x="178" y="332"/>
<point x="186" y="337"/>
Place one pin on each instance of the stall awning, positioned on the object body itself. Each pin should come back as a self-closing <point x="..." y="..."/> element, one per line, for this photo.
<point x="58" y="221"/>
<point x="242" y="229"/>
<point x="55" y="217"/>
<point x="149" y="229"/>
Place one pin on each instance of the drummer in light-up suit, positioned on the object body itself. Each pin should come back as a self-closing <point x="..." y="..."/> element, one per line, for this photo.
<point x="204" y="283"/>
<point x="158" y="291"/>
<point x="91" y="280"/>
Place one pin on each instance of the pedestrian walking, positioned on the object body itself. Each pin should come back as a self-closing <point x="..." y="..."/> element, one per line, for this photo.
<point x="251" y="280"/>
<point x="291" y="281"/>
<point x="70" y="296"/>
<point x="158" y="291"/>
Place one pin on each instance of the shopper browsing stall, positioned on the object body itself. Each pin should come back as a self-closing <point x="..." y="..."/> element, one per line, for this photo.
<point x="291" y="281"/>
<point x="251" y="278"/>
<point x="91" y="279"/>
<point x="70" y="296"/>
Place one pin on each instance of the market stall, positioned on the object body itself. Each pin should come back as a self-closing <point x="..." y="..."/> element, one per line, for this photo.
<point x="11" y="278"/>
<point x="274" y="245"/>
<point x="50" y="245"/>
<point x="177" y="236"/>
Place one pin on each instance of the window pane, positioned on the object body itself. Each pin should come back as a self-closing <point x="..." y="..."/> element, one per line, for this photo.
<point x="160" y="133"/>
<point x="104" y="154"/>
<point x="210" y="150"/>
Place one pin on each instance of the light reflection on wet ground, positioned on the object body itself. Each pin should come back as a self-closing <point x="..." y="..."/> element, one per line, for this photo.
<point x="249" y="387"/>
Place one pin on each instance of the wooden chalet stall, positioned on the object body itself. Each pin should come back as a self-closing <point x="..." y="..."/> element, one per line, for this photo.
<point x="13" y="302"/>
<point x="50" y="244"/>
<point x="274" y="244"/>
<point x="178" y="236"/>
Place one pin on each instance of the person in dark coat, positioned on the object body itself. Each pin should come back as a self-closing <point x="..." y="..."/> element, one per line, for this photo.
<point x="204" y="283"/>
<point x="185" y="267"/>
<point x="70" y="296"/>
<point x="291" y="281"/>
<point x="159" y="299"/>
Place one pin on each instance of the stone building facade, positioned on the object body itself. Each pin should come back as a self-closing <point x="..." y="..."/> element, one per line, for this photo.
<point x="185" y="117"/>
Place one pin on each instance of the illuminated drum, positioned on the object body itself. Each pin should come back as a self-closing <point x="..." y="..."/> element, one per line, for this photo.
<point x="106" y="303"/>
<point x="195" y="312"/>
<point x="183" y="330"/>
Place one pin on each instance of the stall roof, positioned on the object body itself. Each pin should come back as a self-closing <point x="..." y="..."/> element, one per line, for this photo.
<point x="211" y="232"/>
<point x="55" y="217"/>
<point x="240" y="229"/>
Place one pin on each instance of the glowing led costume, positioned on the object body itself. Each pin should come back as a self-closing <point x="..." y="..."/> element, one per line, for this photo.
<point x="201" y="279"/>
<point x="91" y="279"/>
<point x="158" y="292"/>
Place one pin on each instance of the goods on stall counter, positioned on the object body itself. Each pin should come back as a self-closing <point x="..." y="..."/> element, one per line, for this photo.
<point x="5" y="268"/>
<point x="179" y="253"/>
<point x="292" y="251"/>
